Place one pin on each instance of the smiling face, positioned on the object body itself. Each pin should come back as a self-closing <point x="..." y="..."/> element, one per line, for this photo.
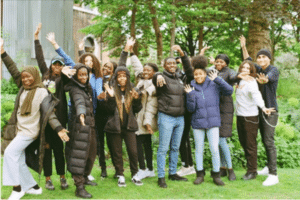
<point x="148" y="72"/>
<point x="220" y="64"/>
<point x="170" y="65"/>
<point x="199" y="75"/>
<point x="246" y="68"/>
<point x="88" y="61"/>
<point x="108" y="69"/>
<point x="122" y="78"/>
<point x="82" y="75"/>
<point x="56" y="68"/>
<point x="263" y="61"/>
<point x="27" y="79"/>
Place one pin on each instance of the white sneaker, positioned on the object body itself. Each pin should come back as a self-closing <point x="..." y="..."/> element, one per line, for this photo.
<point x="135" y="179"/>
<point x="121" y="181"/>
<point x="183" y="171"/>
<point x="191" y="170"/>
<point x="91" y="178"/>
<point x="271" y="180"/>
<point x="142" y="174"/>
<point x="16" y="195"/>
<point x="34" y="191"/>
<point x="151" y="173"/>
<point x="264" y="171"/>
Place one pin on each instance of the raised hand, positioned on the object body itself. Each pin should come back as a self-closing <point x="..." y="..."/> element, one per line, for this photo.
<point x="203" y="50"/>
<point x="268" y="111"/>
<point x="51" y="38"/>
<point x="68" y="71"/>
<point x="188" y="89"/>
<point x="130" y="43"/>
<point x="63" y="135"/>
<point x="37" y="31"/>
<point x="82" y="119"/>
<point x="160" y="81"/>
<point x="262" y="78"/>
<point x="134" y="94"/>
<point x="81" y="45"/>
<point x="213" y="75"/>
<point x="243" y="41"/>
<point x="178" y="48"/>
<point x="211" y="60"/>
<point x="109" y="90"/>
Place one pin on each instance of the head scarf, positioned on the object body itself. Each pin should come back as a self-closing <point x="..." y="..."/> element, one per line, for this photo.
<point x="26" y="106"/>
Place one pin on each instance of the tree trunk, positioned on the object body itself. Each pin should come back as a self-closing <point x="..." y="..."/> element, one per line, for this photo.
<point x="132" y="27"/>
<point x="158" y="34"/>
<point x="200" y="38"/>
<point x="173" y="33"/>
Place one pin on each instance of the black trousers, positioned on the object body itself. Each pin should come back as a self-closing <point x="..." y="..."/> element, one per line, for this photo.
<point x="247" y="128"/>
<point x="185" y="145"/>
<point x="267" y="131"/>
<point x="144" y="144"/>
<point x="130" y="141"/>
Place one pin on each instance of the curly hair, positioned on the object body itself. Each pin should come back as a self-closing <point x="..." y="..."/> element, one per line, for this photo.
<point x="199" y="62"/>
<point x="96" y="64"/>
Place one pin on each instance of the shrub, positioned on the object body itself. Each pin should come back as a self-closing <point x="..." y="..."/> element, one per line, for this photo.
<point x="285" y="131"/>
<point x="9" y="87"/>
<point x="293" y="102"/>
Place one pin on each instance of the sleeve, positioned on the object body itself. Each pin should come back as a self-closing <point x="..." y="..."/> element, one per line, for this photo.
<point x="39" y="55"/>
<point x="224" y="87"/>
<point x="12" y="68"/>
<point x="137" y="105"/>
<point x="79" y="101"/>
<point x="273" y="75"/>
<point x="232" y="76"/>
<point x="191" y="101"/>
<point x="154" y="79"/>
<point x="123" y="59"/>
<point x="54" y="123"/>
<point x="188" y="70"/>
<point x="258" y="68"/>
<point x="99" y="86"/>
<point x="110" y="105"/>
<point x="256" y="95"/>
<point x="68" y="59"/>
<point x="137" y="65"/>
<point x="150" y="110"/>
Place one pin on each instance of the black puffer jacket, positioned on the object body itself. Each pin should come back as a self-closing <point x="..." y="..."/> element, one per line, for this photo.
<point x="77" y="148"/>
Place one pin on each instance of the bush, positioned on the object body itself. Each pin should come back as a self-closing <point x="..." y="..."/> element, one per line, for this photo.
<point x="293" y="102"/>
<point x="9" y="87"/>
<point x="285" y="131"/>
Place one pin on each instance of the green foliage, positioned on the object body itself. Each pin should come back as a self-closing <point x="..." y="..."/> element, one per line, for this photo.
<point x="293" y="102"/>
<point x="285" y="131"/>
<point x="9" y="87"/>
<point x="7" y="107"/>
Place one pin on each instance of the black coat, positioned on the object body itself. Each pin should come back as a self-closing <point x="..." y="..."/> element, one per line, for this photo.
<point x="77" y="148"/>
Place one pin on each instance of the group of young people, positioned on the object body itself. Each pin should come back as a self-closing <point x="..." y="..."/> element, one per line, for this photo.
<point x="103" y="102"/>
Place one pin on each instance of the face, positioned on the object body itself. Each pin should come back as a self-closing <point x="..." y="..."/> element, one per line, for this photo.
<point x="170" y="65"/>
<point x="27" y="79"/>
<point x="148" y="72"/>
<point x="88" y="61"/>
<point x="82" y="75"/>
<point x="220" y="64"/>
<point x="108" y="69"/>
<point x="246" y="68"/>
<point x="56" y="68"/>
<point x="199" y="75"/>
<point x="263" y="61"/>
<point x="122" y="78"/>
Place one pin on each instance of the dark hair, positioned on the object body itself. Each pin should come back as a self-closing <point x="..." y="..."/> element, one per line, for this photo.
<point x="96" y="64"/>
<point x="154" y="66"/>
<point x="223" y="57"/>
<point x="49" y="73"/>
<point x="79" y="66"/>
<point x="165" y="60"/>
<point x="199" y="62"/>
<point x="252" y="68"/>
<point x="115" y="65"/>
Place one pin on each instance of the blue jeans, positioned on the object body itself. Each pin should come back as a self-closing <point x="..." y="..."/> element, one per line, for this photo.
<point x="225" y="153"/>
<point x="170" y="133"/>
<point x="213" y="140"/>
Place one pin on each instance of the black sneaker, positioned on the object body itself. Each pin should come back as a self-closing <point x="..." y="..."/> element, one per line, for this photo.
<point x="63" y="184"/>
<point x="49" y="185"/>
<point x="176" y="177"/>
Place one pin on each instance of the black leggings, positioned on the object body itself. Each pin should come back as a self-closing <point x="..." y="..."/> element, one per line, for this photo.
<point x="185" y="145"/>
<point x="144" y="143"/>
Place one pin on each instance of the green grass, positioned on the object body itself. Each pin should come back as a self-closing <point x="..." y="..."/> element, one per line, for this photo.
<point x="288" y="87"/>
<point x="107" y="188"/>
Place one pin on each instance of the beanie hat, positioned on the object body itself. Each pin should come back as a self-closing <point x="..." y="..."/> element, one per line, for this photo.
<point x="223" y="57"/>
<point x="265" y="52"/>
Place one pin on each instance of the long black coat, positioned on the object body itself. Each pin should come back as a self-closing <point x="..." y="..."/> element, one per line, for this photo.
<point x="77" y="148"/>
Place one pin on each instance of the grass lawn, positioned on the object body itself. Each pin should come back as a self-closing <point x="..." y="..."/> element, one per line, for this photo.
<point x="288" y="188"/>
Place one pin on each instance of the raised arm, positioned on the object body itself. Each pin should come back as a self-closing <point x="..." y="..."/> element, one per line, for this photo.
<point x="123" y="58"/>
<point x="224" y="88"/>
<point x="10" y="65"/>
<point x="187" y="66"/>
<point x="39" y="55"/>
<point x="68" y="60"/>
<point x="244" y="49"/>
<point x="137" y="65"/>
<point x="203" y="50"/>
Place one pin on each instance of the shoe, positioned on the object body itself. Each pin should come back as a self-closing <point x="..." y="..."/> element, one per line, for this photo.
<point x="135" y="179"/>
<point x="271" y="180"/>
<point x="183" y="171"/>
<point x="191" y="170"/>
<point x="88" y="182"/>
<point x="223" y="171"/>
<point x="249" y="176"/>
<point x="264" y="171"/>
<point x="162" y="183"/>
<point x="16" y="195"/>
<point x="217" y="178"/>
<point x="231" y="175"/>
<point x="34" y="191"/>
<point x="121" y="181"/>
<point x="49" y="185"/>
<point x="81" y="192"/>
<point x="103" y="173"/>
<point x="142" y="174"/>
<point x="91" y="178"/>
<point x="176" y="177"/>
<point x="63" y="184"/>
<point x="151" y="173"/>
<point x="200" y="177"/>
